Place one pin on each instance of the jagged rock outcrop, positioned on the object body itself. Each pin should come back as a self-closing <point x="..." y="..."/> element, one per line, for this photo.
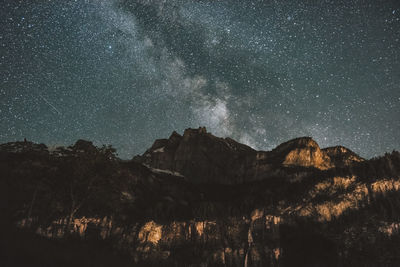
<point x="198" y="200"/>
<point x="341" y="156"/>
<point x="202" y="157"/>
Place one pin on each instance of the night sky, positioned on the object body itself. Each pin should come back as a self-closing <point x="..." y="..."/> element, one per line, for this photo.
<point x="262" y="72"/>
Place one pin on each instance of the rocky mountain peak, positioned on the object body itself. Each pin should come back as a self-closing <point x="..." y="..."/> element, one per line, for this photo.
<point x="341" y="156"/>
<point x="175" y="135"/>
<point x="201" y="156"/>
<point x="194" y="132"/>
<point x="303" y="151"/>
<point x="300" y="142"/>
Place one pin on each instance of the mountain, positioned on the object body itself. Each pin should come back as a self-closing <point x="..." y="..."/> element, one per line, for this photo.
<point x="198" y="200"/>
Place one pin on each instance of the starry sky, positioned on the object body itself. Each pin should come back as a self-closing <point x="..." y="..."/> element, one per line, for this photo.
<point x="125" y="72"/>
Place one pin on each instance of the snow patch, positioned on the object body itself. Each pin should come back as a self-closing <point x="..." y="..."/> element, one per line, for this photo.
<point x="159" y="150"/>
<point x="174" y="173"/>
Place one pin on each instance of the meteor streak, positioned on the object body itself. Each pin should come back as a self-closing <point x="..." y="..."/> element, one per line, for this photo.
<point x="51" y="105"/>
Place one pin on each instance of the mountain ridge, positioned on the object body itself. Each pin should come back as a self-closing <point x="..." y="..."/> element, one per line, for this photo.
<point x="188" y="154"/>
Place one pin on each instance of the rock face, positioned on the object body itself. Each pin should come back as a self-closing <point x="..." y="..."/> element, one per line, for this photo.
<point x="198" y="200"/>
<point x="303" y="152"/>
<point x="202" y="157"/>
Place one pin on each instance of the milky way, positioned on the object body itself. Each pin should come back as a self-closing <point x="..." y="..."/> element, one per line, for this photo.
<point x="262" y="72"/>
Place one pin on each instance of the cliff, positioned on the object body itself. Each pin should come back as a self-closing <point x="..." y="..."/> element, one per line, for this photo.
<point x="198" y="200"/>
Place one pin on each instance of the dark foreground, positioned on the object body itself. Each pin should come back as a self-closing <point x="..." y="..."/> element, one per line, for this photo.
<point x="198" y="200"/>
